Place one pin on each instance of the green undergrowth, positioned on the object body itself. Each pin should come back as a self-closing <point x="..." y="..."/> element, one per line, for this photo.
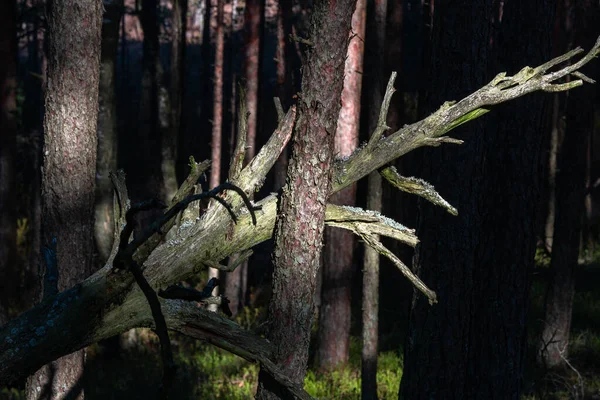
<point x="206" y="372"/>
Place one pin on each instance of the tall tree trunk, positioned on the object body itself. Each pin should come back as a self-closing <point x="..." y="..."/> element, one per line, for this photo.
<point x="288" y="71"/>
<point x="479" y="262"/>
<point x="217" y="119"/>
<point x="237" y="280"/>
<point x="8" y="149"/>
<point x="334" y="316"/>
<point x="107" y="130"/>
<point x="299" y="227"/>
<point x="178" y="47"/>
<point x="556" y="135"/>
<point x="376" y="24"/>
<point x="570" y="197"/>
<point x="68" y="183"/>
<point x="170" y="113"/>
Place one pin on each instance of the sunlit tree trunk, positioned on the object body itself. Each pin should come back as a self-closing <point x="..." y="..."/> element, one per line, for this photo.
<point x="334" y="315"/>
<point x="68" y="184"/>
<point x="8" y="149"/>
<point x="217" y="119"/>
<point x="493" y="180"/>
<point x="299" y="227"/>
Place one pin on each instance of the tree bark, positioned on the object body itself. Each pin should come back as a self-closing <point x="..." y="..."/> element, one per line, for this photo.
<point x="334" y="315"/>
<point x="109" y="303"/>
<point x="570" y="199"/>
<point x="217" y="119"/>
<point x="493" y="180"/>
<point x="376" y="30"/>
<point x="8" y="150"/>
<point x="107" y="130"/>
<point x="299" y="231"/>
<point x="178" y="51"/>
<point x="68" y="183"/>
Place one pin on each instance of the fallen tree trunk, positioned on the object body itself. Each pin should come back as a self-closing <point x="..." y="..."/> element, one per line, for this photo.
<point x="109" y="302"/>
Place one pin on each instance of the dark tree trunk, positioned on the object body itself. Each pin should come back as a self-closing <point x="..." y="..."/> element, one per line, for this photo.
<point x="149" y="179"/>
<point x="68" y="183"/>
<point x="288" y="72"/>
<point x="178" y="47"/>
<point x="8" y="149"/>
<point x="570" y="197"/>
<point x="334" y="315"/>
<point x="479" y="262"/>
<point x="299" y="227"/>
<point x="375" y="81"/>
<point x="107" y="130"/>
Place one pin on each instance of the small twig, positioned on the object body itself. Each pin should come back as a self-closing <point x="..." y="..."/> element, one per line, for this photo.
<point x="372" y="222"/>
<point x="383" y="112"/>
<point x="237" y="159"/>
<point x="372" y="241"/>
<point x="298" y="39"/>
<point x="279" y="108"/>
<point x="418" y="187"/>
<point x="436" y="142"/>
<point x="51" y="275"/>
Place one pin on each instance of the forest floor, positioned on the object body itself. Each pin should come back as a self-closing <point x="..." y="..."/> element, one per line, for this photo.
<point x="132" y="369"/>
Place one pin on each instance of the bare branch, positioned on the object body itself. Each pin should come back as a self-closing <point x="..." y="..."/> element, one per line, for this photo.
<point x="417" y="186"/>
<point x="358" y="220"/>
<point x="452" y="114"/>
<point x="237" y="159"/>
<point x="372" y="241"/>
<point x="383" y="112"/>
<point x="279" y="108"/>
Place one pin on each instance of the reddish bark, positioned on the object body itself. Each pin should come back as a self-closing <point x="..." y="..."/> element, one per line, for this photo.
<point x="334" y="315"/>
<point x="299" y="227"/>
<point x="217" y="119"/>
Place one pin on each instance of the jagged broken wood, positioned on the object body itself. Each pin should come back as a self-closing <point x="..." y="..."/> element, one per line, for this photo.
<point x="418" y="187"/>
<point x="108" y="303"/>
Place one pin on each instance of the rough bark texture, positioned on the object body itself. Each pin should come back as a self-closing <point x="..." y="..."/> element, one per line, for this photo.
<point x="217" y="118"/>
<point x="493" y="179"/>
<point x="335" y="309"/>
<point x="299" y="229"/>
<point x="377" y="16"/>
<point x="8" y="149"/>
<point x="68" y="184"/>
<point x="107" y="130"/>
<point x="570" y="196"/>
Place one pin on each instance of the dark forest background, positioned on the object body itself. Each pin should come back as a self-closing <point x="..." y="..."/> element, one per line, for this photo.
<point x="174" y="76"/>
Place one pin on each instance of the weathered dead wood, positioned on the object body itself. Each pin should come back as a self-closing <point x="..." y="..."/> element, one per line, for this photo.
<point x="108" y="303"/>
